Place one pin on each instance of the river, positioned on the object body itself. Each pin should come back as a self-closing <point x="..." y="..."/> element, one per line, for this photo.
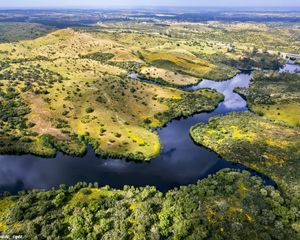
<point x="181" y="161"/>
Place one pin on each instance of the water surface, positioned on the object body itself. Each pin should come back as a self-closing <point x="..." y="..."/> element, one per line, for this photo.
<point x="291" y="67"/>
<point x="181" y="161"/>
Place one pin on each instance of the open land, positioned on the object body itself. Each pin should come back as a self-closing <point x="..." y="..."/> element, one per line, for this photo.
<point x="74" y="89"/>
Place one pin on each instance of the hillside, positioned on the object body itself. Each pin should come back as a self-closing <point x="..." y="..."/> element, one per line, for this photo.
<point x="72" y="95"/>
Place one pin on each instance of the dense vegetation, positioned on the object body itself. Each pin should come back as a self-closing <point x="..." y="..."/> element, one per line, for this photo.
<point x="228" y="205"/>
<point x="101" y="57"/>
<point x="13" y="109"/>
<point x="258" y="143"/>
<point x="12" y="32"/>
<point x="267" y="140"/>
<point x="200" y="101"/>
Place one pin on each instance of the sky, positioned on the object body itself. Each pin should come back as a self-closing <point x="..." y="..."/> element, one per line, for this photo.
<point x="140" y="3"/>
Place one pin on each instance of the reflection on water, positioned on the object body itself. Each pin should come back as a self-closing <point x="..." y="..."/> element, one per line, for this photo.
<point x="232" y="101"/>
<point x="291" y="67"/>
<point x="181" y="161"/>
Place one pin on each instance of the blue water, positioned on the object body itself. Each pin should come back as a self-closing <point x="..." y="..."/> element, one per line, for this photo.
<point x="181" y="161"/>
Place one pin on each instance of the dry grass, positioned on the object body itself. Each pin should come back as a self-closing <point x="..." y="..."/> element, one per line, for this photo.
<point x="286" y="112"/>
<point x="120" y="105"/>
<point x="41" y="116"/>
<point x="169" y="76"/>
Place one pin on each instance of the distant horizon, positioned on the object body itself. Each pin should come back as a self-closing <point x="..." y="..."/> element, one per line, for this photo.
<point x="142" y="7"/>
<point x="98" y="4"/>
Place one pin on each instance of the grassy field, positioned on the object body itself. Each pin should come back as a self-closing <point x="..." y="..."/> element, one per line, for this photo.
<point x="176" y="48"/>
<point x="168" y="76"/>
<point x="275" y="96"/>
<point x="74" y="95"/>
<point x="271" y="36"/>
<point x="258" y="143"/>
<point x="72" y="86"/>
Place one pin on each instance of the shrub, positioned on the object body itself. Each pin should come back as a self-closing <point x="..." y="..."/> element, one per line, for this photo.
<point x="89" y="110"/>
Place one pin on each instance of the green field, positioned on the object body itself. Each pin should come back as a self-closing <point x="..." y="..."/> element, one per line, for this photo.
<point x="275" y="96"/>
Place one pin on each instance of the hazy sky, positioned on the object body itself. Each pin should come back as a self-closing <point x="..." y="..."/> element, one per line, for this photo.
<point x="132" y="3"/>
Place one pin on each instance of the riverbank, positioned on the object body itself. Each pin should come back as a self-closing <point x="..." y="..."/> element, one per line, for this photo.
<point x="257" y="143"/>
<point x="178" y="155"/>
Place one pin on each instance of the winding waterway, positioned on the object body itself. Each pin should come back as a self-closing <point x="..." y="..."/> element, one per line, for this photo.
<point x="181" y="161"/>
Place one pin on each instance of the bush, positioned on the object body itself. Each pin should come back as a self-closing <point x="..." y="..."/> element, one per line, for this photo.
<point x="89" y="110"/>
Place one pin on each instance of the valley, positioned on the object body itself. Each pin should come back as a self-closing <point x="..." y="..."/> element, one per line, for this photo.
<point x="149" y="125"/>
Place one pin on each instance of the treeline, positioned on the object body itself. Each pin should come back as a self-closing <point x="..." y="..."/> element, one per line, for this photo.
<point x="98" y="56"/>
<point x="227" y="205"/>
<point x="13" y="121"/>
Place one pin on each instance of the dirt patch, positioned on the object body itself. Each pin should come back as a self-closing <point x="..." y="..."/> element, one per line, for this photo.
<point x="41" y="117"/>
